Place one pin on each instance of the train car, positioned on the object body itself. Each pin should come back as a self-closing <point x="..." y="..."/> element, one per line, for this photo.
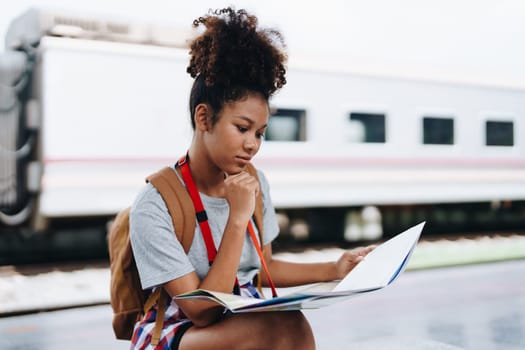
<point x="91" y="106"/>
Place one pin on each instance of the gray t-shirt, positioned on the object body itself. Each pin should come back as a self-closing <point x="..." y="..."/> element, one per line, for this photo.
<point x="158" y="253"/>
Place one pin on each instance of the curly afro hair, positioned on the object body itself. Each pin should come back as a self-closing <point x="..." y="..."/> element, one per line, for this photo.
<point x="233" y="58"/>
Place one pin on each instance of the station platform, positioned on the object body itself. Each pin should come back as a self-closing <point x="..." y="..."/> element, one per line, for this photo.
<point x="476" y="306"/>
<point x="73" y="286"/>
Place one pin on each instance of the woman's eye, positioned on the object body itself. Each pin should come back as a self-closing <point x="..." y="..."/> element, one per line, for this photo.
<point x="242" y="128"/>
<point x="260" y="135"/>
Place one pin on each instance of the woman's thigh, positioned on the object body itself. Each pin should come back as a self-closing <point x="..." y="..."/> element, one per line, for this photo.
<point x="265" y="330"/>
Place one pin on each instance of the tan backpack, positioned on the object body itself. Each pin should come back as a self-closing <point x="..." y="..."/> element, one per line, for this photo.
<point x="128" y="301"/>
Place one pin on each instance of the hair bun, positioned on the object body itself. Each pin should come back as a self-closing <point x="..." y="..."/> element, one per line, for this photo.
<point x="233" y="52"/>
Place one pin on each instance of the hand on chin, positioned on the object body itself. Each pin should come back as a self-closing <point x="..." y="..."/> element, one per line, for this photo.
<point x="234" y="169"/>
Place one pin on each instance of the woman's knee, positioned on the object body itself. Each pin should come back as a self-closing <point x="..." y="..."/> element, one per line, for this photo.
<point x="265" y="330"/>
<point x="291" y="330"/>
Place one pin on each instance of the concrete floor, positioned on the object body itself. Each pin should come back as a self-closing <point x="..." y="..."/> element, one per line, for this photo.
<point x="470" y="307"/>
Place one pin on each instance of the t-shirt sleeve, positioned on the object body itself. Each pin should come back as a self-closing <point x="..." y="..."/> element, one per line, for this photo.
<point x="158" y="253"/>
<point x="271" y="227"/>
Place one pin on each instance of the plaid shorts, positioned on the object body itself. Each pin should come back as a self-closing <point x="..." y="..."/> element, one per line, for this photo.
<point x="175" y="325"/>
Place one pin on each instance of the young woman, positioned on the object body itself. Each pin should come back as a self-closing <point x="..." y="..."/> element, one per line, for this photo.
<point x="237" y="67"/>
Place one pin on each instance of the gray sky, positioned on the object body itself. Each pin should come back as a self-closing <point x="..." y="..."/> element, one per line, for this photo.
<point x="471" y="38"/>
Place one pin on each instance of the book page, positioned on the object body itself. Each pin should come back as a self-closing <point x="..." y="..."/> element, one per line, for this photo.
<point x="323" y="287"/>
<point x="381" y="266"/>
<point x="231" y="301"/>
<point x="378" y="269"/>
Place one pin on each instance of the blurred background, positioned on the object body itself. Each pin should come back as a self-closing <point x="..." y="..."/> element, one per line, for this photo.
<point x="477" y="38"/>
<point x="395" y="112"/>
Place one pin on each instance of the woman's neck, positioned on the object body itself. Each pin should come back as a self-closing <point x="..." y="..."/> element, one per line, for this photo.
<point x="208" y="178"/>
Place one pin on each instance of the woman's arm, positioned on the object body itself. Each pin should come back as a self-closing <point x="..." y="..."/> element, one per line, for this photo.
<point x="220" y="278"/>
<point x="240" y="193"/>
<point x="288" y="274"/>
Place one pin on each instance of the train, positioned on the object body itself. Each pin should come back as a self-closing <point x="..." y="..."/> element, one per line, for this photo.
<point x="90" y="106"/>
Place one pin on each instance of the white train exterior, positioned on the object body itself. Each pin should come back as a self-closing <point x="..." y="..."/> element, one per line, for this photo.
<point x="100" y="110"/>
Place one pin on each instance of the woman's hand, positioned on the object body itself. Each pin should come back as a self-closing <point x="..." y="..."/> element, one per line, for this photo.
<point x="240" y="191"/>
<point x="350" y="259"/>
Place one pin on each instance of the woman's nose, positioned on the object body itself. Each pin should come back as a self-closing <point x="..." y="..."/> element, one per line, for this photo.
<point x="251" y="143"/>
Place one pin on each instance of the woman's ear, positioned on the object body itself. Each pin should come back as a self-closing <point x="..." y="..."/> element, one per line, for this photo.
<point x="202" y="117"/>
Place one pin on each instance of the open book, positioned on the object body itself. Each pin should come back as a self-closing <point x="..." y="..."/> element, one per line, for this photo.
<point x="378" y="269"/>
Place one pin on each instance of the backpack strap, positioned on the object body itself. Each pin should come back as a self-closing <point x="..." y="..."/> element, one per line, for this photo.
<point x="159" y="297"/>
<point x="258" y="218"/>
<point x="180" y="208"/>
<point x="178" y="202"/>
<point x="159" y="319"/>
<point x="258" y="213"/>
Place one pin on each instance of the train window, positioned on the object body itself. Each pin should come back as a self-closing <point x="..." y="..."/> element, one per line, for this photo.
<point x="286" y="125"/>
<point x="499" y="133"/>
<point x="373" y="124"/>
<point x="438" y="131"/>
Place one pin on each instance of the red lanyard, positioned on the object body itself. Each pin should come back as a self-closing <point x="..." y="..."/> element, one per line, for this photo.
<point x="202" y="219"/>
